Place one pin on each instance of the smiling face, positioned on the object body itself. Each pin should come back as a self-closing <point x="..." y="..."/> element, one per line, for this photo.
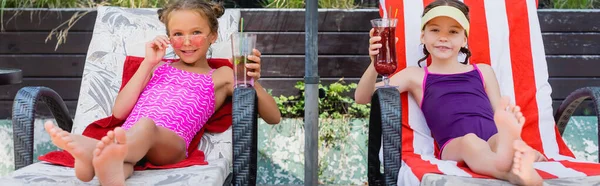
<point x="443" y="37"/>
<point x="190" y="35"/>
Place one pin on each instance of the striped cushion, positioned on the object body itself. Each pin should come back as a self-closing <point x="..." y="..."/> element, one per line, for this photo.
<point x="506" y="35"/>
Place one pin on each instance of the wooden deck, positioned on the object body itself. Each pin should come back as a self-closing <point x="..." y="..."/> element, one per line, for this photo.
<point x="571" y="38"/>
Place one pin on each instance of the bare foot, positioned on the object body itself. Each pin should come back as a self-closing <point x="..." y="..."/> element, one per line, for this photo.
<point x="109" y="158"/>
<point x="80" y="147"/>
<point x="522" y="172"/>
<point x="516" y="110"/>
<point x="509" y="127"/>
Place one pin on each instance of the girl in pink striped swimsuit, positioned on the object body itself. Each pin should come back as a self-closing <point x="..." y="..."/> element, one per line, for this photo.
<point x="164" y="104"/>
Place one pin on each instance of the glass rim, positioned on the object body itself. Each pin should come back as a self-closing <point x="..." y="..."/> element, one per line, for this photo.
<point x="245" y="34"/>
<point x="384" y="22"/>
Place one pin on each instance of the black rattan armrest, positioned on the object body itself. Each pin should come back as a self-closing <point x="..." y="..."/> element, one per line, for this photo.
<point x="570" y="104"/>
<point x="23" y="117"/>
<point x="245" y="119"/>
<point x="385" y="119"/>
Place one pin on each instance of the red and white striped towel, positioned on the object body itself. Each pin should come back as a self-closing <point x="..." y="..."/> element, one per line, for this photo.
<point x="506" y="35"/>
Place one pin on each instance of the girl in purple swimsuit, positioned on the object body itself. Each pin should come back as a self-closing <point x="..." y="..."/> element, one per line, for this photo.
<point x="165" y="103"/>
<point x="461" y="102"/>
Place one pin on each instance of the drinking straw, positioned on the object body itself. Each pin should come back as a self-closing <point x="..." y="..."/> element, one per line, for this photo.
<point x="241" y="35"/>
<point x="242" y="24"/>
<point x="396" y="13"/>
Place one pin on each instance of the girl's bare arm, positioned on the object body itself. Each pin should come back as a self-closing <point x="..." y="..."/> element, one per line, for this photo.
<point x="129" y="95"/>
<point x="126" y="99"/>
<point x="491" y="84"/>
<point x="366" y="85"/>
<point x="267" y="107"/>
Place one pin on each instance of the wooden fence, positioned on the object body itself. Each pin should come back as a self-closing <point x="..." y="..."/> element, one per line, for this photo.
<point x="571" y="38"/>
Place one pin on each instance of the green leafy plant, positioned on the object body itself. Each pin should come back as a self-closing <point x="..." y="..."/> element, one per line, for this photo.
<point x="61" y="31"/>
<point x="576" y="4"/>
<point x="336" y="108"/>
<point x="341" y="4"/>
<point x="82" y="3"/>
<point x="334" y="102"/>
<point x="283" y="3"/>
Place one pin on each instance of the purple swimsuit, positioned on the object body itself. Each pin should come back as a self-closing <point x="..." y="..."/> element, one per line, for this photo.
<point x="178" y="100"/>
<point x="455" y="105"/>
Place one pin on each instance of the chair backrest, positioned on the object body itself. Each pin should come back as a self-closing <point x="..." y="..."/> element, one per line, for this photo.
<point x="504" y="34"/>
<point x="120" y="32"/>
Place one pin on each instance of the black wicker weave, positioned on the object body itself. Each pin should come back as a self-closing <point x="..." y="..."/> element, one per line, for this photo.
<point x="385" y="120"/>
<point x="570" y="104"/>
<point x="244" y="136"/>
<point x="23" y="117"/>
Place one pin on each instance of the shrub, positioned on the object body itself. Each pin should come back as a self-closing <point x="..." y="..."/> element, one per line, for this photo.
<point x="334" y="102"/>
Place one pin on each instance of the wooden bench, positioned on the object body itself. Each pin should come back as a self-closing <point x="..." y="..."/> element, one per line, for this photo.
<point x="571" y="39"/>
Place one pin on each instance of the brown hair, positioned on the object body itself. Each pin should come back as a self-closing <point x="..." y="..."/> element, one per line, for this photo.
<point x="453" y="3"/>
<point x="210" y="10"/>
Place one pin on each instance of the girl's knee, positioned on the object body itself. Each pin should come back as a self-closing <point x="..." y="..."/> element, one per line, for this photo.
<point x="145" y="124"/>
<point x="470" y="137"/>
<point x="472" y="140"/>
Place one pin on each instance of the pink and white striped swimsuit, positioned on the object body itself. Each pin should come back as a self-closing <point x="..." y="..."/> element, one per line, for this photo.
<point x="178" y="100"/>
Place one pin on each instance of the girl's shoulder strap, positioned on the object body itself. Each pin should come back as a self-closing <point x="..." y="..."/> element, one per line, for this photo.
<point x="210" y="73"/>
<point x="161" y="65"/>
<point x="480" y="74"/>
